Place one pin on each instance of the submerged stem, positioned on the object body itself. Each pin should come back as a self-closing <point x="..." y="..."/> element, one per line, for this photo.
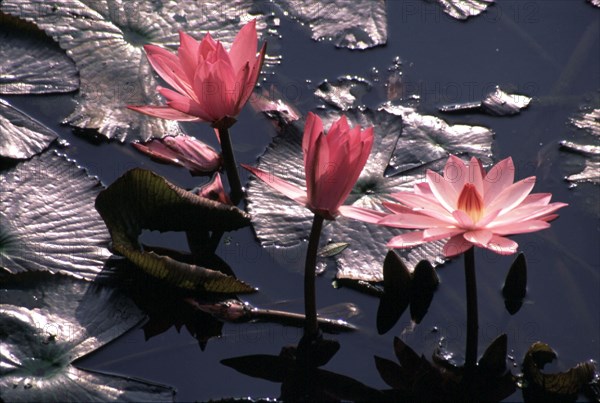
<point x="472" y="315"/>
<point x="230" y="166"/>
<point x="310" y="305"/>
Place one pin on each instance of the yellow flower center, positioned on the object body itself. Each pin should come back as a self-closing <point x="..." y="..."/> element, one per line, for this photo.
<point x="471" y="202"/>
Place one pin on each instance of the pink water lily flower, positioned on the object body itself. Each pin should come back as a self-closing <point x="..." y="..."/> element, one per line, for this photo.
<point x="471" y="207"/>
<point x="332" y="164"/>
<point x="209" y="83"/>
<point x="194" y="155"/>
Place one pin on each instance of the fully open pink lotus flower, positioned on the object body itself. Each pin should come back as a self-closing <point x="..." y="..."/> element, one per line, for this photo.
<point x="188" y="152"/>
<point x="470" y="207"/>
<point x="209" y="83"/>
<point x="332" y="164"/>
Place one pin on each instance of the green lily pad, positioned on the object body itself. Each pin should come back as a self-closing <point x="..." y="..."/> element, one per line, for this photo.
<point x="48" y="220"/>
<point x="48" y="322"/>
<point x="21" y="136"/>
<point x="32" y="63"/>
<point x="104" y="38"/>
<point x="141" y="199"/>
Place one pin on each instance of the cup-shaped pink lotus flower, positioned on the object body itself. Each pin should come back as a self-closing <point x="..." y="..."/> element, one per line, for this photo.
<point x="209" y="83"/>
<point x="332" y="163"/>
<point x="471" y="207"/>
<point x="188" y="152"/>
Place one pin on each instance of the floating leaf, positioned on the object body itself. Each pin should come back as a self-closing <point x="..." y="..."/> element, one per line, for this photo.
<point x="350" y="24"/>
<point x="497" y="103"/>
<point x="48" y="219"/>
<point x="411" y="143"/>
<point x="105" y="40"/>
<point x="590" y="122"/>
<point x="595" y="2"/>
<point x="562" y="386"/>
<point x="515" y="285"/>
<point x="332" y="249"/>
<point x="344" y="94"/>
<point x="463" y="9"/>
<point x="493" y="360"/>
<point x="424" y="283"/>
<point x="47" y="322"/>
<point x="21" y="136"/>
<point x="32" y="63"/>
<point x="141" y="199"/>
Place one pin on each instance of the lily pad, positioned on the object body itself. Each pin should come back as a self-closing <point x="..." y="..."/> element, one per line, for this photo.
<point x="410" y="143"/>
<point x="463" y="9"/>
<point x="563" y="386"/>
<point x="104" y="38"/>
<point x="21" y="136"/>
<point x="48" y="219"/>
<point x="48" y="322"/>
<point x="497" y="103"/>
<point x="358" y="24"/>
<point x="590" y="122"/>
<point x="32" y="63"/>
<point x="345" y="93"/>
<point x="595" y="2"/>
<point x="141" y="199"/>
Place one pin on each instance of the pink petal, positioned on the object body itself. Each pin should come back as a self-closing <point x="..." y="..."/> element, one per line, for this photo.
<point x="407" y="240"/>
<point x="521" y="227"/>
<point x="411" y="221"/>
<point x="487" y="219"/>
<point x="252" y="78"/>
<point x="443" y="190"/>
<point x="498" y="178"/>
<point x="435" y="234"/>
<point x="168" y="67"/>
<point x="183" y="103"/>
<point x="476" y="173"/>
<point x="243" y="49"/>
<point x="502" y="246"/>
<point x="479" y="237"/>
<point x="528" y="212"/>
<point x="289" y="190"/>
<point x="456" y="172"/>
<point x="513" y="195"/>
<point x="207" y="46"/>
<point x="423" y="189"/>
<point x="361" y="214"/>
<point x="164" y="112"/>
<point x="463" y="220"/>
<point x="416" y="201"/>
<point x="549" y="218"/>
<point x="456" y="245"/>
<point x="397" y="208"/>
<point x="214" y="190"/>
<point x="188" y="54"/>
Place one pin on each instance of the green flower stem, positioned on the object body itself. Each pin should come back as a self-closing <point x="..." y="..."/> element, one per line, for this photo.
<point x="233" y="175"/>
<point x="311" y="328"/>
<point x="472" y="316"/>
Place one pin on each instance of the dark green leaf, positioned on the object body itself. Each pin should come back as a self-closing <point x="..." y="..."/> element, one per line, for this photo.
<point x="47" y="322"/>
<point x="563" y="386"/>
<point x="396" y="296"/>
<point x="270" y="367"/>
<point x="48" y="219"/>
<point x="332" y="249"/>
<point x="21" y="136"/>
<point x="515" y="285"/>
<point x="390" y="372"/>
<point x="140" y="199"/>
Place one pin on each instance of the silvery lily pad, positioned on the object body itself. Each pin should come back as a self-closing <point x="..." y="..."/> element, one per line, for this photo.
<point x="406" y="145"/>
<point x="344" y="94"/>
<point x="21" y="136"/>
<point x="590" y="122"/>
<point x="463" y="9"/>
<point x="497" y="103"/>
<point x="105" y="40"/>
<point x="48" y="219"/>
<point x="49" y="321"/>
<point x="595" y="2"/>
<point x="350" y="24"/>
<point x="31" y="62"/>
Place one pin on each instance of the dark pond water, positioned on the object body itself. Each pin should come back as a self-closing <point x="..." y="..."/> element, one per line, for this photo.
<point x="544" y="49"/>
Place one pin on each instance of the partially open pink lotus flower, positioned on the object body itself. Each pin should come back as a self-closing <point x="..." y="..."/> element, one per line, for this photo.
<point x="188" y="152"/>
<point x="469" y="206"/>
<point x="208" y="82"/>
<point x="332" y="164"/>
